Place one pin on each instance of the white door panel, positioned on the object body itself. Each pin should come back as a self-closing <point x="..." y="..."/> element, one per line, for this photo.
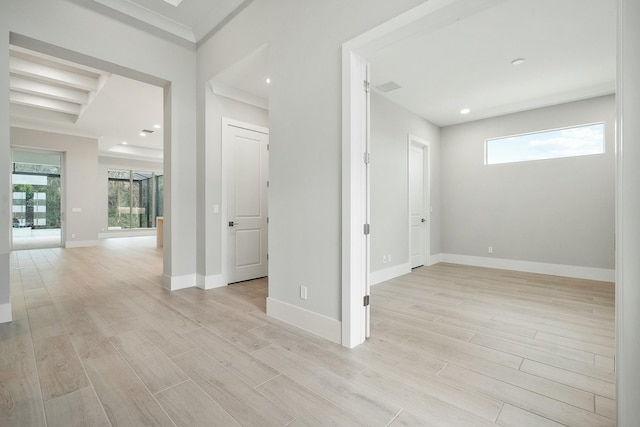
<point x="418" y="206"/>
<point x="247" y="177"/>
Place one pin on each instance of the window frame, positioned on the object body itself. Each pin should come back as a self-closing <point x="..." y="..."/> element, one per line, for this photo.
<point x="488" y="140"/>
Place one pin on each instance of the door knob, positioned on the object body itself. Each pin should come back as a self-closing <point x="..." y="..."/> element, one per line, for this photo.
<point x="231" y="223"/>
<point x="423" y="220"/>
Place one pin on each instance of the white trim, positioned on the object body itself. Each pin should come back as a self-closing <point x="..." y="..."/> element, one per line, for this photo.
<point x="221" y="89"/>
<point x="309" y="321"/>
<point x="152" y="18"/>
<point x="390" y="273"/>
<point x="210" y="282"/>
<point x="574" y="271"/>
<point x="175" y="283"/>
<point x="80" y="243"/>
<point x="5" y="313"/>
<point x="434" y="259"/>
<point x="354" y="203"/>
<point x="127" y="233"/>
<point x="354" y="114"/>
<point x="426" y="190"/>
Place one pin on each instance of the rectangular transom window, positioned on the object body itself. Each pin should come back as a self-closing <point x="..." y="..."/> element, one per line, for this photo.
<point x="551" y="144"/>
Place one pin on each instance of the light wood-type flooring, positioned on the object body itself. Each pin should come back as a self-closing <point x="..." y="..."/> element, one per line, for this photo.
<point x="96" y="341"/>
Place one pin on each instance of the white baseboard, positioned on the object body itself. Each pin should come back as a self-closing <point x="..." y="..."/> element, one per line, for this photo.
<point x="174" y="283"/>
<point x="434" y="259"/>
<point x="589" y="273"/>
<point x="80" y="243"/>
<point x="5" y="313"/>
<point x="127" y="233"/>
<point x="210" y="282"/>
<point x="389" y="273"/>
<point x="315" y="323"/>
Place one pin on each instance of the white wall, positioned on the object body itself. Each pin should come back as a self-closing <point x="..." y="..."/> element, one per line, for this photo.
<point x="628" y="218"/>
<point x="80" y="170"/>
<point x="390" y="127"/>
<point x="83" y="35"/>
<point x="558" y="211"/>
<point x="305" y="133"/>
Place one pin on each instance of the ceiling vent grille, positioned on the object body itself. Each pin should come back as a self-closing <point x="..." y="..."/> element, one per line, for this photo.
<point x="147" y="131"/>
<point x="388" y="86"/>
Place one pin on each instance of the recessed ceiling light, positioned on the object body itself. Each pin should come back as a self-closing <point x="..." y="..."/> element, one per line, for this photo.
<point x="143" y="134"/>
<point x="465" y="111"/>
<point x="517" y="61"/>
<point x="156" y="126"/>
<point x="268" y="80"/>
<point x="124" y="142"/>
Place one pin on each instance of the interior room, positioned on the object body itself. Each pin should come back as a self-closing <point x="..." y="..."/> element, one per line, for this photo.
<point x="398" y="270"/>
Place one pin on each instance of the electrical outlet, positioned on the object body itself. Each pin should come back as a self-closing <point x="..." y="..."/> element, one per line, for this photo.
<point x="303" y="292"/>
<point x="384" y="259"/>
<point x="490" y="249"/>
<point x="389" y="258"/>
<point x="73" y="236"/>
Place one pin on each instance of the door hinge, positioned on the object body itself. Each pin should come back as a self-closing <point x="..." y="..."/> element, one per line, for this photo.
<point x="366" y="158"/>
<point x="367" y="229"/>
<point x="267" y="257"/>
<point x="366" y="300"/>
<point x="267" y="147"/>
<point x="367" y="86"/>
<point x="267" y="220"/>
<point x="267" y="184"/>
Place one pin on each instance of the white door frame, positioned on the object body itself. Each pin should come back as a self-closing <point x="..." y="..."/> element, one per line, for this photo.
<point x="224" y="217"/>
<point x="414" y="140"/>
<point x="355" y="263"/>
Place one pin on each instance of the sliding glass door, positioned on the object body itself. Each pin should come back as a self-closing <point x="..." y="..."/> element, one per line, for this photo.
<point x="36" y="201"/>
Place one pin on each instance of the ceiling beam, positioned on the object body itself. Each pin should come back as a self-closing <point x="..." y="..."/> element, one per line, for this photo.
<point x="32" y="87"/>
<point x="25" y="68"/>
<point x="46" y="103"/>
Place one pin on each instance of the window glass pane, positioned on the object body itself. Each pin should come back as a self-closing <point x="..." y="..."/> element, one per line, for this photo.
<point x="568" y="142"/>
<point x="131" y="202"/>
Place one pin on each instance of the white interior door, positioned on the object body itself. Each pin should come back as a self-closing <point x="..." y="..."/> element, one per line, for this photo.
<point x="247" y="181"/>
<point x="418" y="202"/>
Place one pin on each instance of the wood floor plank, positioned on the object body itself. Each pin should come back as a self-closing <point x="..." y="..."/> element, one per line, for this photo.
<point x="606" y="407"/>
<point x="512" y="416"/>
<point x="359" y="400"/>
<point x="407" y="419"/>
<point x="189" y="406"/>
<point x="417" y="401"/>
<point x="125" y="399"/>
<point x="239" y="399"/>
<point x="535" y="354"/>
<point x="532" y="402"/>
<point x="447" y="347"/>
<point x="20" y="396"/>
<point x="59" y="368"/>
<point x="342" y="366"/>
<point x="582" y="382"/>
<point x="305" y="405"/>
<point x="77" y="409"/>
<point x="155" y="369"/>
<point x="242" y="364"/>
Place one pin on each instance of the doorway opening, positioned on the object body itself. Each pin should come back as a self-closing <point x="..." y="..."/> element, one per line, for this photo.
<point x="37" y="191"/>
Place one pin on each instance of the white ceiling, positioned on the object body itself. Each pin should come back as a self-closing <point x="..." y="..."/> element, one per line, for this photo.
<point x="461" y="58"/>
<point x="458" y="58"/>
<point x="53" y="95"/>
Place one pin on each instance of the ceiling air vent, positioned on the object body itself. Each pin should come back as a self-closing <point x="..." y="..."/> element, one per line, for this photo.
<point x="388" y="86"/>
<point x="147" y="131"/>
